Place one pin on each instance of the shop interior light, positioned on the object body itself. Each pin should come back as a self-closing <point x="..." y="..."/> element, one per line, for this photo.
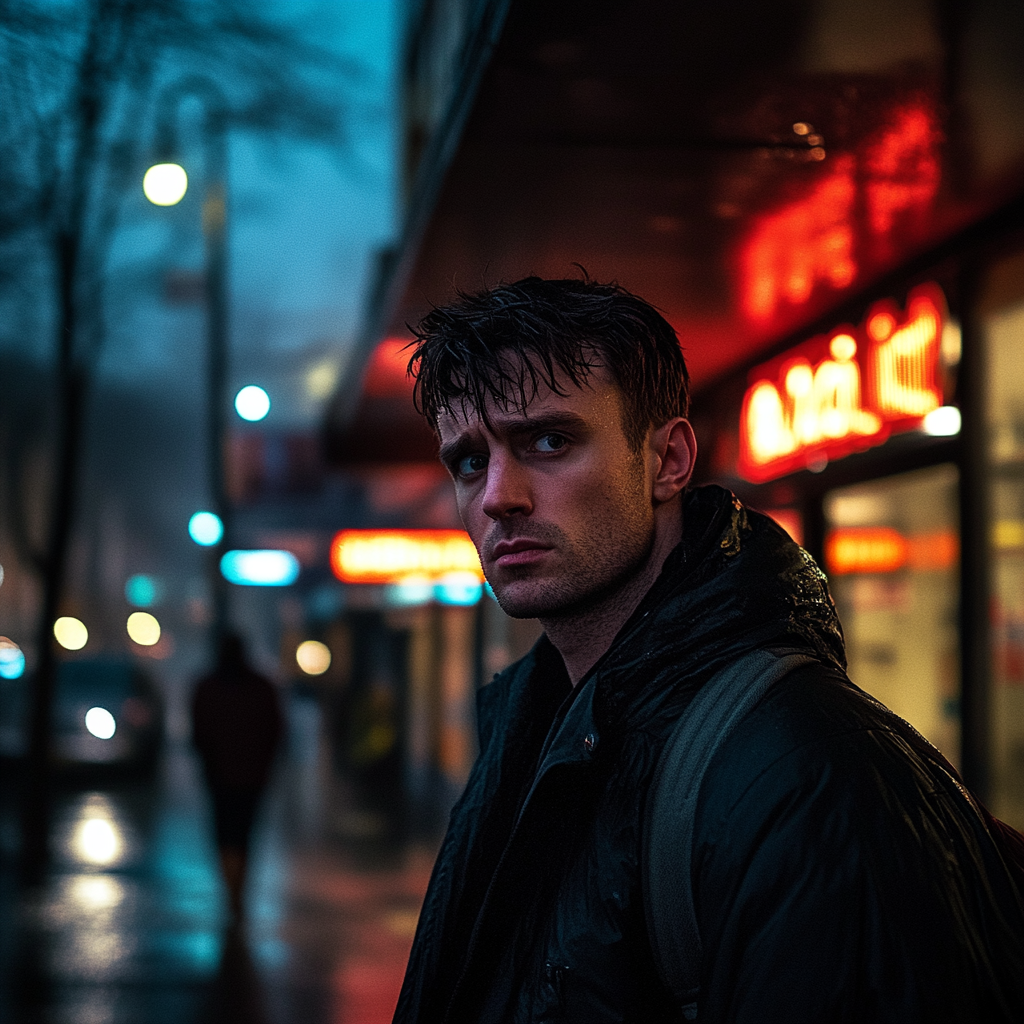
<point x="942" y="422"/>
<point x="261" y="568"/>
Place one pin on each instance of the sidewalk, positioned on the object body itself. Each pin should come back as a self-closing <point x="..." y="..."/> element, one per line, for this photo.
<point x="131" y="928"/>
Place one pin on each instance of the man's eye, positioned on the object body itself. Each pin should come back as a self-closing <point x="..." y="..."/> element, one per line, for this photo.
<point x="470" y="464"/>
<point x="550" y="443"/>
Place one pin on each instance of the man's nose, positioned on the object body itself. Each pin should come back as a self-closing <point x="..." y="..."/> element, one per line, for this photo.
<point x="507" y="491"/>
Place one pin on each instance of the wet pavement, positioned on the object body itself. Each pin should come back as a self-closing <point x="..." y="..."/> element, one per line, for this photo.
<point x="131" y="926"/>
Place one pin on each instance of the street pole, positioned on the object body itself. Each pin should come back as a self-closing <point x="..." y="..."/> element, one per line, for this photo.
<point x="214" y="222"/>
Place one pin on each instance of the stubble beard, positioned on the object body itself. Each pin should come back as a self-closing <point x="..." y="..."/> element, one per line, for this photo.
<point x="612" y="555"/>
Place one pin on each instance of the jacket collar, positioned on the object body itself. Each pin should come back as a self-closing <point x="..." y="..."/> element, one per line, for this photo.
<point x="735" y="583"/>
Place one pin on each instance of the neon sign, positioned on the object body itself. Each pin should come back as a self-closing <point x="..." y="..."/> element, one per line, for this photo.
<point x="846" y="391"/>
<point x="395" y="556"/>
<point x="881" y="549"/>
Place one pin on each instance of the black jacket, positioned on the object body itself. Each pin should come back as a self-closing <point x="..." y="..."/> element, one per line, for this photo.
<point x="838" y="874"/>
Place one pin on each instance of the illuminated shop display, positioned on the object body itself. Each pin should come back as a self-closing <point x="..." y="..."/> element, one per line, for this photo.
<point x="393" y="556"/>
<point x="845" y="391"/>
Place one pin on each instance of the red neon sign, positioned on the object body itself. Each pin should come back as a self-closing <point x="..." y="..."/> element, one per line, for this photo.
<point x="846" y="391"/>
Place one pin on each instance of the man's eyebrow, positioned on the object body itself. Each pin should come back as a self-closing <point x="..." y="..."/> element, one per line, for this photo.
<point x="451" y="451"/>
<point x="546" y="421"/>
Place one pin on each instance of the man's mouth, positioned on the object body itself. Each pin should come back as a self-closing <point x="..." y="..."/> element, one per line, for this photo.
<point x="521" y="551"/>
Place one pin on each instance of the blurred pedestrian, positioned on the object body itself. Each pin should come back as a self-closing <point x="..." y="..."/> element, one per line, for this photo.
<point x="236" y="728"/>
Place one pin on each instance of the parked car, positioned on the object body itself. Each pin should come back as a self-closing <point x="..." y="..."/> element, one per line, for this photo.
<point x="106" y="712"/>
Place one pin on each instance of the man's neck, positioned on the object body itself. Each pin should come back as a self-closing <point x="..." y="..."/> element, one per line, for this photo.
<point x="582" y="637"/>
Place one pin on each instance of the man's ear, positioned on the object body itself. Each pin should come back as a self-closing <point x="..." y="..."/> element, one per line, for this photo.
<point x="675" y="447"/>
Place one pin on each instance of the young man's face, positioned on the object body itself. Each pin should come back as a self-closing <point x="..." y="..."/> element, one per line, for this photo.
<point x="557" y="504"/>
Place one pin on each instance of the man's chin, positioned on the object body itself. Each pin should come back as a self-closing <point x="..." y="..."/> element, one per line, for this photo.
<point x="521" y="600"/>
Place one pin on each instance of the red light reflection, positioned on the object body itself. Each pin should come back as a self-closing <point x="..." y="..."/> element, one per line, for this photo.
<point x="804" y="243"/>
<point x="902" y="168"/>
<point x="818" y="240"/>
<point x="386" y="373"/>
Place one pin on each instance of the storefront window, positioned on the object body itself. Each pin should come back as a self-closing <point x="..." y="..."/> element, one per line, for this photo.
<point x="1003" y="322"/>
<point x="892" y="556"/>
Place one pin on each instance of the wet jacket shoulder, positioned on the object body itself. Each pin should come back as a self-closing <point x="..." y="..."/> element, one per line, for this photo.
<point x="841" y="874"/>
<point x="818" y="817"/>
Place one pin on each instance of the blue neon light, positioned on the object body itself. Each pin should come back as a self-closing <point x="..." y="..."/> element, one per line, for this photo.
<point x="265" y="568"/>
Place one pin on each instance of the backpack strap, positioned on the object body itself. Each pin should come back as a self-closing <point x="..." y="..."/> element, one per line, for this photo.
<point x="667" y="842"/>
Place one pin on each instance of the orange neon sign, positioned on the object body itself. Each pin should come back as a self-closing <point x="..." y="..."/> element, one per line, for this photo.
<point x="846" y="391"/>
<point x="394" y="556"/>
<point x="881" y="549"/>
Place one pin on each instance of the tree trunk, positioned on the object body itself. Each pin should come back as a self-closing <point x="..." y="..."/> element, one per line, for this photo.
<point x="71" y="386"/>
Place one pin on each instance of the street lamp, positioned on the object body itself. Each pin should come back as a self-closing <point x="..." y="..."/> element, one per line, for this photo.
<point x="165" y="184"/>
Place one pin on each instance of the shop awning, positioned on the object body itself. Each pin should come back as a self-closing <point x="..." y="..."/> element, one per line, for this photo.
<point x="744" y="166"/>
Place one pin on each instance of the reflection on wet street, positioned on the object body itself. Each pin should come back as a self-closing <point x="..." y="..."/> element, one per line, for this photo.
<point x="131" y="926"/>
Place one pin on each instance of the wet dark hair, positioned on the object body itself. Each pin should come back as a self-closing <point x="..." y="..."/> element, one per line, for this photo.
<point x="503" y="342"/>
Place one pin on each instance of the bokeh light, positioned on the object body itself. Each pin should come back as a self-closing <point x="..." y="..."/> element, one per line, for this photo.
<point x="205" y="528"/>
<point x="96" y="892"/>
<point x="261" y="568"/>
<point x="252" y="403"/>
<point x="942" y="422"/>
<point x="71" y="633"/>
<point x="97" y="841"/>
<point x="461" y="588"/>
<point x="141" y="591"/>
<point x="12" y="659"/>
<point x="165" y="184"/>
<point x="313" y="657"/>
<point x="100" y="722"/>
<point x="144" y="628"/>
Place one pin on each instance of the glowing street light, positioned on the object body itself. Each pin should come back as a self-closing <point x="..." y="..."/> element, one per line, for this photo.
<point x="144" y="628"/>
<point x="165" y="184"/>
<point x="100" y="722"/>
<point x="70" y="633"/>
<point x="252" y="403"/>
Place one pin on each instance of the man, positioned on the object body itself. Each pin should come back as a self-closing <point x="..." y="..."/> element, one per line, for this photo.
<point x="838" y="872"/>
